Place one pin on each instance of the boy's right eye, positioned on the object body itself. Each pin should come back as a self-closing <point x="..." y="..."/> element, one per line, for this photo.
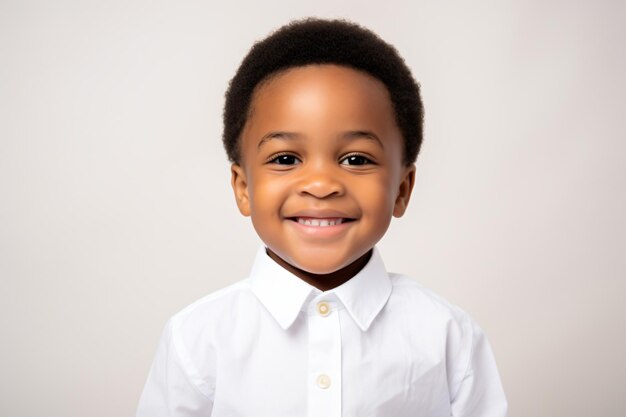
<point x="284" y="159"/>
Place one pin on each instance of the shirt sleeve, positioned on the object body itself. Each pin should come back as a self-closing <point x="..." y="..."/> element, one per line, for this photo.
<point x="480" y="392"/>
<point x="170" y="390"/>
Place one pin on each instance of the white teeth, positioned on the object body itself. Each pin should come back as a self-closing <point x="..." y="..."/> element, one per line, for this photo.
<point x="319" y="222"/>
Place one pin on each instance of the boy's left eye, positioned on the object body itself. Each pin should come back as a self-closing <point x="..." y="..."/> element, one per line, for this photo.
<point x="355" y="160"/>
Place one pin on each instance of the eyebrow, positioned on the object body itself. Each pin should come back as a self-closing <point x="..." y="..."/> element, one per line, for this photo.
<point x="278" y="135"/>
<point x="362" y="134"/>
<point x="349" y="135"/>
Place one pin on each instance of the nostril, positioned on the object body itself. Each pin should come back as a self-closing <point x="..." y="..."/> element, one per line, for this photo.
<point x="322" y="187"/>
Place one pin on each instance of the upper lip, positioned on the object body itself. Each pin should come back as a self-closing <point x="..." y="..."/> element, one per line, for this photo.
<point x="320" y="214"/>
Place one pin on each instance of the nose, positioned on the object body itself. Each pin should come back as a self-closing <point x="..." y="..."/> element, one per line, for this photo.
<point x="320" y="182"/>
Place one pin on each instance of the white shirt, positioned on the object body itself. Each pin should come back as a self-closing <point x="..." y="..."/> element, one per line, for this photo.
<point x="272" y="345"/>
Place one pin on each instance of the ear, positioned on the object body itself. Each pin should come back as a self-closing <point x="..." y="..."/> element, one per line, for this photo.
<point x="404" y="191"/>
<point x="240" y="188"/>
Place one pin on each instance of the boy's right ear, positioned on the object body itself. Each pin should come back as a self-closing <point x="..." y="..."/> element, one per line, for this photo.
<point x="240" y="187"/>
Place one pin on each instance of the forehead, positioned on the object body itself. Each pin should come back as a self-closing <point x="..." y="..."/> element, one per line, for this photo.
<point x="320" y="100"/>
<point x="314" y="80"/>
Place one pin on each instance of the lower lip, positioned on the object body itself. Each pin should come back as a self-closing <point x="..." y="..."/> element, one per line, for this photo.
<point x="322" y="231"/>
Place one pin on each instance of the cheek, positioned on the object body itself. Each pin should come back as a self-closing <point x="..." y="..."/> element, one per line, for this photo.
<point x="267" y="194"/>
<point x="377" y="195"/>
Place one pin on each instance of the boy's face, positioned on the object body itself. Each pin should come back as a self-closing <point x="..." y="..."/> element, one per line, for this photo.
<point x="321" y="170"/>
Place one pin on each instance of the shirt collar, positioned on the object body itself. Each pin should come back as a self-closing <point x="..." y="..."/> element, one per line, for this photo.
<point x="283" y="294"/>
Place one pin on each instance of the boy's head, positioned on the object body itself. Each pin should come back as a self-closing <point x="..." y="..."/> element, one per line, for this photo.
<point x="316" y="41"/>
<point x="323" y="122"/>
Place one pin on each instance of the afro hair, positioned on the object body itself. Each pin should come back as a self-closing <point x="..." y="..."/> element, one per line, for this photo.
<point x="317" y="41"/>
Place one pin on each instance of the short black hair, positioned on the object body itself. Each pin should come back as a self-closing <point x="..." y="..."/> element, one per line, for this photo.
<point x="318" y="41"/>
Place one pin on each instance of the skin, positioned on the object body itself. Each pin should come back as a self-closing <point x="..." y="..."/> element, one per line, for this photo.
<point x="321" y="143"/>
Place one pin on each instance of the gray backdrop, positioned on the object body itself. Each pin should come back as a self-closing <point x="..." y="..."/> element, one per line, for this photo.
<point x="116" y="209"/>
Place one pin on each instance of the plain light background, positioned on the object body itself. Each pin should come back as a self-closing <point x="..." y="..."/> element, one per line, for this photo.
<point x="116" y="209"/>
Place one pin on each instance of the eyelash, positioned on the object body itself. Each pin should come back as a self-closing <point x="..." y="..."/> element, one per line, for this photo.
<point x="274" y="158"/>
<point x="368" y="161"/>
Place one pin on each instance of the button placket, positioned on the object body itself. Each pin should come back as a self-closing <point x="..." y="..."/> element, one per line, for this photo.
<point x="324" y="388"/>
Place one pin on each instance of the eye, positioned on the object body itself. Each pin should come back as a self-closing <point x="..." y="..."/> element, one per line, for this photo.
<point x="284" y="159"/>
<point x="355" y="159"/>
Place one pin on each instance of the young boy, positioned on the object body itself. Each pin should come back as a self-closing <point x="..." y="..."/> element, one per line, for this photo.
<point x="323" y="123"/>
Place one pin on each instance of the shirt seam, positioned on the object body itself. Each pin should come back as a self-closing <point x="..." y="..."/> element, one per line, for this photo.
<point x="467" y="366"/>
<point x="183" y="363"/>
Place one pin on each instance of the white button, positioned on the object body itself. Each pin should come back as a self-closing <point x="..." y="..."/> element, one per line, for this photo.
<point x="323" y="308"/>
<point x="323" y="381"/>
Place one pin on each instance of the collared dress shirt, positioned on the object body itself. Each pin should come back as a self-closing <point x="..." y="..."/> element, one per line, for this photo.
<point x="271" y="345"/>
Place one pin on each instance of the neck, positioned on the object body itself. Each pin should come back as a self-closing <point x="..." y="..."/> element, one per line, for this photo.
<point x="324" y="282"/>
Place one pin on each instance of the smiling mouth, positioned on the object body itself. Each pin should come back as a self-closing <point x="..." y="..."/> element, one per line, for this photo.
<point x="320" y="222"/>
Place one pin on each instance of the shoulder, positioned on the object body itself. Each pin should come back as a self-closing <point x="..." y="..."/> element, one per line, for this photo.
<point x="457" y="341"/>
<point x="206" y="311"/>
<point x="448" y="326"/>
<point x="215" y="299"/>
<point x="198" y="326"/>
<point x="191" y="333"/>
<point x="455" y="332"/>
<point x="410" y="293"/>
